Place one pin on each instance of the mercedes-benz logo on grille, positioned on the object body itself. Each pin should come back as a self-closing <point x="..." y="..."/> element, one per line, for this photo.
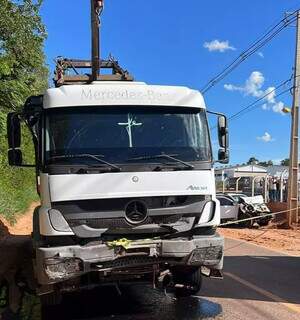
<point x="136" y="212"/>
<point x="135" y="179"/>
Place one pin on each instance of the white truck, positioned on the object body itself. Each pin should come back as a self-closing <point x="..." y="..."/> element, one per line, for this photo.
<point x="126" y="181"/>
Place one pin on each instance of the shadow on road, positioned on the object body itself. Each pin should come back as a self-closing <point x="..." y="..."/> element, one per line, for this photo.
<point x="16" y="270"/>
<point x="278" y="275"/>
<point x="136" y="302"/>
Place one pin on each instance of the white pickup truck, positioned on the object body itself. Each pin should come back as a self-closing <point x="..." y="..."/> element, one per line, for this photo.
<point x="237" y="206"/>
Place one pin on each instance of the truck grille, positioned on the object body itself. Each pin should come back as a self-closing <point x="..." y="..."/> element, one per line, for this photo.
<point x="119" y="204"/>
<point x="121" y="222"/>
<point x="124" y="214"/>
<point x="128" y="262"/>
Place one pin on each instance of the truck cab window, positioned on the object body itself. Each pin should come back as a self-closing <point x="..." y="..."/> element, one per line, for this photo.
<point x="122" y="134"/>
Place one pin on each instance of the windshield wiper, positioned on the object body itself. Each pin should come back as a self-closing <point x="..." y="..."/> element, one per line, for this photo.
<point x="91" y="156"/>
<point x="164" y="156"/>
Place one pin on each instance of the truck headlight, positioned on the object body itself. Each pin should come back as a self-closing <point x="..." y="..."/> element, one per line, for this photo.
<point x="58" y="222"/>
<point x="60" y="268"/>
<point x="207" y="256"/>
<point x="208" y="212"/>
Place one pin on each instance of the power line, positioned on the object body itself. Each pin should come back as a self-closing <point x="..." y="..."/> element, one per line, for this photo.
<point x="254" y="47"/>
<point x="253" y="105"/>
<point x="250" y="51"/>
<point x="241" y="113"/>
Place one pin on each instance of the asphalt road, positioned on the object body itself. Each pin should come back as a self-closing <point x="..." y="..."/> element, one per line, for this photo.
<point x="258" y="284"/>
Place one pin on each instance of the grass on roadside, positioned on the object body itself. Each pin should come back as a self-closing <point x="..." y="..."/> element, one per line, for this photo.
<point x="17" y="191"/>
<point x="17" y="185"/>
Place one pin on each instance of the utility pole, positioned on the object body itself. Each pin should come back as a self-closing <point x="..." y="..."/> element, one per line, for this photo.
<point x="292" y="215"/>
<point x="96" y="10"/>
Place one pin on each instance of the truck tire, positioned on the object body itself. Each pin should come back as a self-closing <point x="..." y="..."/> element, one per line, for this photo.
<point x="51" y="299"/>
<point x="191" y="278"/>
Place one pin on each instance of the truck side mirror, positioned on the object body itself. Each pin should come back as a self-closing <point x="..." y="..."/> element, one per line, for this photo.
<point x="223" y="156"/>
<point x="223" y="132"/>
<point x="14" y="139"/>
<point x="223" y="137"/>
<point x="13" y="131"/>
<point x="15" y="157"/>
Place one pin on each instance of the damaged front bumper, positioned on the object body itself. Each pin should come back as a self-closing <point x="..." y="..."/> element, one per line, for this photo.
<point x="58" y="264"/>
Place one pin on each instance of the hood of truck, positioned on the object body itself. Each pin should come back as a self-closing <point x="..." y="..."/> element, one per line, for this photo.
<point x="127" y="185"/>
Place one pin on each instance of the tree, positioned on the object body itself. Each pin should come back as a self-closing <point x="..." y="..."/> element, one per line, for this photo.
<point x="22" y="73"/>
<point x="253" y="160"/>
<point x="285" y="162"/>
<point x="266" y="163"/>
<point x="22" y="61"/>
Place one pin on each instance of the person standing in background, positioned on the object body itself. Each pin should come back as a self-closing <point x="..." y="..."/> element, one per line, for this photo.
<point x="284" y="190"/>
<point x="278" y="186"/>
<point x="273" y="190"/>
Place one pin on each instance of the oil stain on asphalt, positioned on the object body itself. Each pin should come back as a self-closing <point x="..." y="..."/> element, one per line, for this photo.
<point x="135" y="302"/>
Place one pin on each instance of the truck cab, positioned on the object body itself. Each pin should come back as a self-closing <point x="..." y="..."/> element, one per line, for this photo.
<point x="126" y="181"/>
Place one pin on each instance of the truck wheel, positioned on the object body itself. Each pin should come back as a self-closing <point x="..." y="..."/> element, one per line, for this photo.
<point x="51" y="299"/>
<point x="190" y="280"/>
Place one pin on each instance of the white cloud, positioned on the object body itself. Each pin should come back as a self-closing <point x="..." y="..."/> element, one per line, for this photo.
<point x="217" y="45"/>
<point x="254" y="84"/>
<point x="266" y="138"/>
<point x="231" y="87"/>
<point x="271" y="93"/>
<point x="278" y="106"/>
<point x="265" y="106"/>
<point x="254" y="87"/>
<point x="260" y="54"/>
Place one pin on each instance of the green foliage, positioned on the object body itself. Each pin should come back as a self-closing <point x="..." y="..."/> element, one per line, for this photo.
<point x="252" y="160"/>
<point x="22" y="73"/>
<point x="266" y="163"/>
<point x="285" y="162"/>
<point x="31" y="308"/>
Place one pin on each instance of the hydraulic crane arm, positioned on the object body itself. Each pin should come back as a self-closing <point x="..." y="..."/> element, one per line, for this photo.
<point x="67" y="70"/>
<point x="96" y="10"/>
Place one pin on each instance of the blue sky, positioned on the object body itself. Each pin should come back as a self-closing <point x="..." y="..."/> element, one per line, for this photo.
<point x="163" y="42"/>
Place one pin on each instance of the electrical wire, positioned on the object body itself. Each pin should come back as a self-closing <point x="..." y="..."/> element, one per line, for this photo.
<point x="242" y="57"/>
<point x="254" y="47"/>
<point x="255" y="105"/>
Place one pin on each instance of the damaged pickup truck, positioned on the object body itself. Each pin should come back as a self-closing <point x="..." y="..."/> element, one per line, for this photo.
<point x="236" y="206"/>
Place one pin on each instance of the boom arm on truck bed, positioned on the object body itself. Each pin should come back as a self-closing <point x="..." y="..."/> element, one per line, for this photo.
<point x="67" y="71"/>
